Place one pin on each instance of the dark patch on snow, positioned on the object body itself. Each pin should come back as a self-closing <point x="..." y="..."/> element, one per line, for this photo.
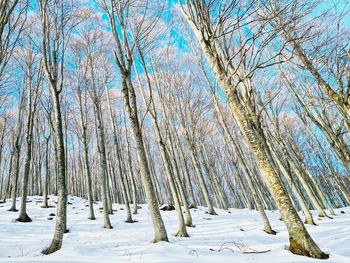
<point x="191" y="206"/>
<point x="167" y="207"/>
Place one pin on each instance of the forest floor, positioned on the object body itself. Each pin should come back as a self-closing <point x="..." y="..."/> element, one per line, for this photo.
<point x="231" y="236"/>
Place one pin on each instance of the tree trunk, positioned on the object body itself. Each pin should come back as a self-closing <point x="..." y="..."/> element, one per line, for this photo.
<point x="117" y="150"/>
<point x="103" y="163"/>
<point x="23" y="216"/>
<point x="61" y="217"/>
<point x="308" y="216"/>
<point x="88" y="176"/>
<point x="129" y="98"/>
<point x="300" y="241"/>
<point x="47" y="174"/>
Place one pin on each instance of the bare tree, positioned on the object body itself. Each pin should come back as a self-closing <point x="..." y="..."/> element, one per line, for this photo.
<point x="80" y="82"/>
<point x="212" y="24"/>
<point x="182" y="232"/>
<point x="99" y="73"/>
<point x="13" y="15"/>
<point x="58" y="18"/>
<point x="33" y="80"/>
<point x="124" y="15"/>
<point x="15" y="155"/>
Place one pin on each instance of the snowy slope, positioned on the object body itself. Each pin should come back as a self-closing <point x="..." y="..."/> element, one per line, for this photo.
<point x="88" y="241"/>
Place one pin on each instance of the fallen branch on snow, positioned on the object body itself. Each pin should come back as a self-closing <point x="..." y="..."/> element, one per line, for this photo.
<point x="242" y="248"/>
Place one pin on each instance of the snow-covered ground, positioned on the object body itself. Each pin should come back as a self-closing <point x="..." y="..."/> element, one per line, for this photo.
<point x="222" y="238"/>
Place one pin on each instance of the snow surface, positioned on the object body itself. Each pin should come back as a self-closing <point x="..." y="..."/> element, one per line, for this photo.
<point x="234" y="232"/>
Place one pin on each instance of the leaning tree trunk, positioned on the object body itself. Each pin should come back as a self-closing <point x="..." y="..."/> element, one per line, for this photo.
<point x="129" y="98"/>
<point x="117" y="149"/>
<point x="236" y="148"/>
<point x="315" y="202"/>
<point x="200" y="177"/>
<point x="8" y="189"/>
<point x="14" y="178"/>
<point x="88" y="176"/>
<point x="23" y="216"/>
<point x="175" y="141"/>
<point x="86" y="164"/>
<point x="212" y="182"/>
<point x="103" y="163"/>
<point x="308" y="189"/>
<point x="300" y="241"/>
<point x="47" y="173"/>
<point x="131" y="174"/>
<point x="61" y="217"/>
<point x="15" y="163"/>
<point x="318" y="190"/>
<point x="1" y="154"/>
<point x="182" y="232"/>
<point x="179" y="184"/>
<point x="197" y="168"/>
<point x="308" y="216"/>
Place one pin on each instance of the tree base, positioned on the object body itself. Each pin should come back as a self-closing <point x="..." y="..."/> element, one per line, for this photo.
<point x="270" y="232"/>
<point x="190" y="225"/>
<point x="332" y="213"/>
<point x="310" y="222"/>
<point x="47" y="206"/>
<point x="50" y="250"/>
<point x="108" y="227"/>
<point x="310" y="251"/>
<point x="323" y="214"/>
<point x="24" y="219"/>
<point x="12" y="210"/>
<point x="131" y="221"/>
<point x="156" y="240"/>
<point x="213" y="213"/>
<point x="182" y="234"/>
<point x="92" y="218"/>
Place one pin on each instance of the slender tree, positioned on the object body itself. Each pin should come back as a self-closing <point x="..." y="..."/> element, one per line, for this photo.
<point x="117" y="13"/>
<point x="236" y="82"/>
<point x="58" y="18"/>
